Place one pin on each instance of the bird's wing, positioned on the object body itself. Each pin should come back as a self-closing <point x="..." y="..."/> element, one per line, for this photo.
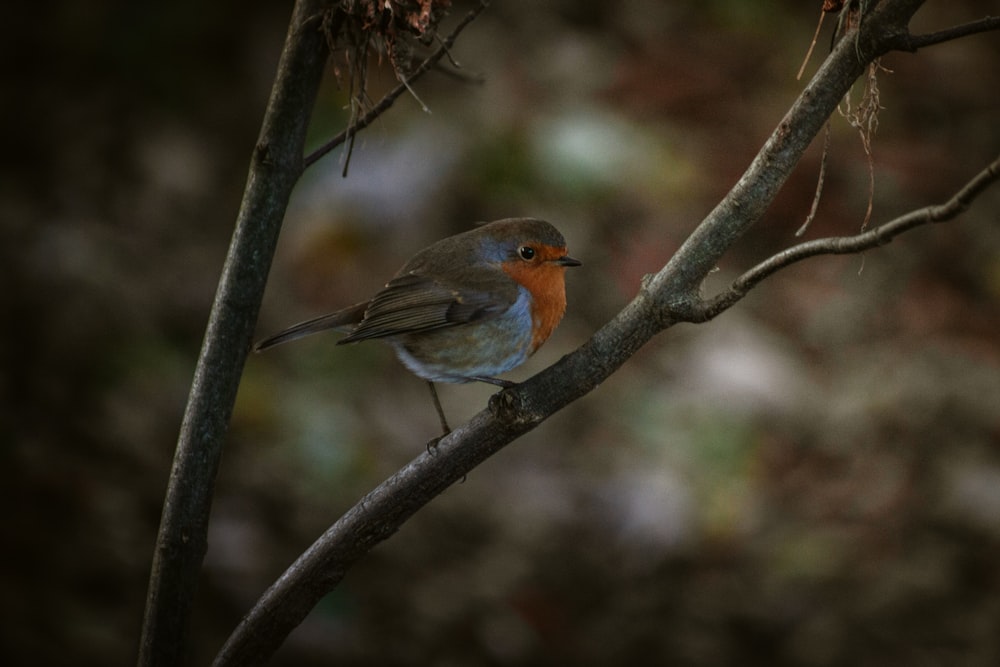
<point x="414" y="302"/>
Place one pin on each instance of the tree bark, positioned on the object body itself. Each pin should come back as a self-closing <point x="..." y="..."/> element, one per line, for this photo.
<point x="275" y="167"/>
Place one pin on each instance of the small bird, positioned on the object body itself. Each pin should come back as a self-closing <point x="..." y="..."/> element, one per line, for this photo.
<point x="464" y="309"/>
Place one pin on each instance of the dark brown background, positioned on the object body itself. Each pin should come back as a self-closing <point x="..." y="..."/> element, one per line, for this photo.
<point x="814" y="478"/>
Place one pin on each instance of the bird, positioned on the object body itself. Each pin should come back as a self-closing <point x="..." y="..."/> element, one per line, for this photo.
<point x="467" y="308"/>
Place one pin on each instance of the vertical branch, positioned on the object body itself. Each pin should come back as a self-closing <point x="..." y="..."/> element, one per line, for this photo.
<point x="275" y="167"/>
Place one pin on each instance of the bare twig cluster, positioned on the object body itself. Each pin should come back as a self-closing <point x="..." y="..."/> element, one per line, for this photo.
<point x="358" y="31"/>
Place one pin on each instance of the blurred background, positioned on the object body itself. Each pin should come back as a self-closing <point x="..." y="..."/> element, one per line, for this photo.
<point x="811" y="479"/>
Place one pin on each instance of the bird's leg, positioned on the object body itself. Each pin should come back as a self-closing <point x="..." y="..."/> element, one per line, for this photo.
<point x="444" y="422"/>
<point x="497" y="382"/>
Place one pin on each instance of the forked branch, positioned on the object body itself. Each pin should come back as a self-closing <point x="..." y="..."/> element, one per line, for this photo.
<point x="844" y="245"/>
<point x="913" y="43"/>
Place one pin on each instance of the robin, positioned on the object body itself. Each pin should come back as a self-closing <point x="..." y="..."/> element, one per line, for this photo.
<point x="465" y="309"/>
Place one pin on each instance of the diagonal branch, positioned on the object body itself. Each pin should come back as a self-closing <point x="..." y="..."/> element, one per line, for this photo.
<point x="387" y="101"/>
<point x="844" y="245"/>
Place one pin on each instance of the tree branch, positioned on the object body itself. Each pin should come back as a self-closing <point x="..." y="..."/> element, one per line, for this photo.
<point x="844" y="245"/>
<point x="913" y="43"/>
<point x="666" y="298"/>
<point x="676" y="286"/>
<point x="275" y="167"/>
<point x="387" y="101"/>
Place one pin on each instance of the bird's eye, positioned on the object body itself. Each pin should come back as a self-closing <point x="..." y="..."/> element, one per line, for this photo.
<point x="526" y="252"/>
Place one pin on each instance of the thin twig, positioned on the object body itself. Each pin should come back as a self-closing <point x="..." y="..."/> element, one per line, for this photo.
<point x="390" y="97"/>
<point x="912" y="43"/>
<point x="413" y="94"/>
<point x="843" y="245"/>
<point x="447" y="52"/>
<point x="818" y="195"/>
<point x="812" y="45"/>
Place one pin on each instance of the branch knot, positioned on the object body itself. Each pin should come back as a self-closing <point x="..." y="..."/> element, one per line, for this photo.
<point x="508" y="407"/>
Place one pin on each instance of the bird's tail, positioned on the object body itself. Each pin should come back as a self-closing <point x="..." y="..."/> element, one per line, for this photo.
<point x="342" y="320"/>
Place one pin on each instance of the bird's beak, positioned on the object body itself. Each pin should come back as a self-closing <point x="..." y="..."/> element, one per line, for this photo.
<point x="566" y="260"/>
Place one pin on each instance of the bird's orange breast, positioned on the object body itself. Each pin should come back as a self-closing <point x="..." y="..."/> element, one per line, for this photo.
<point x="546" y="282"/>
